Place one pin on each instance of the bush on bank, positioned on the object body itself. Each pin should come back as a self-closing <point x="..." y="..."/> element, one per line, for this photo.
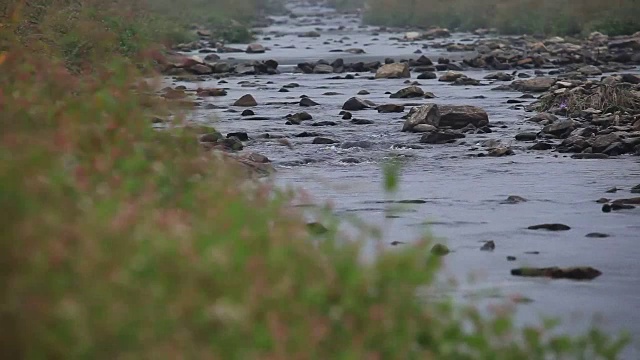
<point x="550" y="17"/>
<point x="120" y="241"/>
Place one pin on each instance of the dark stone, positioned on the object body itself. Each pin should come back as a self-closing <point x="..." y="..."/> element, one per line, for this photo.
<point x="488" y="246"/>
<point x="390" y="108"/>
<point x="574" y="273"/>
<point x="324" y="123"/>
<point x="248" y="113"/>
<point x="242" y="136"/>
<point x="550" y="227"/>
<point x="597" y="235"/>
<point x="323" y="141"/>
<point x="441" y="137"/>
<point x="307" y="102"/>
<point x="527" y="136"/>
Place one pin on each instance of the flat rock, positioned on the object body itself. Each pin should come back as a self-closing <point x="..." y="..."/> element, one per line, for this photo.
<point x="574" y="273"/>
<point x="538" y="84"/>
<point x="550" y="227"/>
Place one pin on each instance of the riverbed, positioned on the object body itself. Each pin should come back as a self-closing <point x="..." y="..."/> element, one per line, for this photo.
<point x="457" y="196"/>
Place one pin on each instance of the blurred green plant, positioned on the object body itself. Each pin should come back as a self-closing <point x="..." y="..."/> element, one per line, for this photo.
<point x="120" y="241"/>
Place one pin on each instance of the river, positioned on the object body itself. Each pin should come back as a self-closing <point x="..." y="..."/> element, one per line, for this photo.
<point x="461" y="196"/>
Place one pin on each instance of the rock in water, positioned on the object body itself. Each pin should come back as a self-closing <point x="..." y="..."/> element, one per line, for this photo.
<point x="459" y="116"/>
<point x="488" y="246"/>
<point x="575" y="273"/>
<point x="355" y="104"/>
<point x="550" y="227"/>
<point x="255" y="49"/>
<point x="393" y="71"/>
<point x="246" y="101"/>
<point x="426" y="114"/>
<point x="307" y="102"/>
<point x="539" y="84"/>
<point x="409" y="92"/>
<point x="440" y="250"/>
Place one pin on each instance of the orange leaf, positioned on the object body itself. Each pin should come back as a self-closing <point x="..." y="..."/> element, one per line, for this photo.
<point x="3" y="57"/>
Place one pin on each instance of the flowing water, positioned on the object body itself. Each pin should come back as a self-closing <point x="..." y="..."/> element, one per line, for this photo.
<point x="460" y="195"/>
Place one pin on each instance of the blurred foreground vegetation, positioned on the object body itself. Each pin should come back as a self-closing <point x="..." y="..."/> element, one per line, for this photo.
<point x="120" y="241"/>
<point x="549" y="17"/>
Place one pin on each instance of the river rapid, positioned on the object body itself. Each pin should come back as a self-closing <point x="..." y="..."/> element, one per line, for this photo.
<point x="459" y="197"/>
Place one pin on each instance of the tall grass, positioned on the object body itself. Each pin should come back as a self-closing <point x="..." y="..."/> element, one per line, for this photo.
<point x="552" y="17"/>
<point x="120" y="241"/>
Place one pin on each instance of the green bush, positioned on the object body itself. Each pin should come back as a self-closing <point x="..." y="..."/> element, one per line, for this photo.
<point x="551" y="17"/>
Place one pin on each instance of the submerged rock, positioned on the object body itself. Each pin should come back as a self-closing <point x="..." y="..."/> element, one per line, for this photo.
<point x="574" y="273"/>
<point x="550" y="227"/>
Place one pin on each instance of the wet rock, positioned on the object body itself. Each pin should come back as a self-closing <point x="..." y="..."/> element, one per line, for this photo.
<point x="635" y="189"/>
<point x="211" y="92"/>
<point x="350" y="160"/>
<point x="248" y="113"/>
<point x="242" y="136"/>
<point x="589" y="156"/>
<point x="306" y="102"/>
<point x="541" y="146"/>
<point x="393" y="71"/>
<point x="255" y="49"/>
<point x="361" y="122"/>
<point x="363" y="92"/>
<point x="500" y="76"/>
<point x="357" y="144"/>
<point x="459" y="116"/>
<point x="590" y="70"/>
<point x="213" y="137"/>
<point x="500" y="151"/>
<point x="426" y="114"/>
<point x="543" y="117"/>
<point x="324" y="123"/>
<point x="466" y="81"/>
<point x="424" y="61"/>
<point x="422" y="128"/>
<point x="298" y="118"/>
<point x="574" y="273"/>
<point x="631" y="43"/>
<point x="347" y="116"/>
<point x="630" y="201"/>
<point x="324" y="141"/>
<point x="427" y="75"/>
<point x="440" y="250"/>
<point x="441" y="137"/>
<point x="538" y="84"/>
<point x="514" y="199"/>
<point x="550" y="227"/>
<point x="355" y="104"/>
<point x="390" y="108"/>
<point x="201" y="69"/>
<point x="527" y="136"/>
<point x="597" y="235"/>
<point x="560" y="128"/>
<point x="451" y="76"/>
<point x="602" y="142"/>
<point x="511" y="258"/>
<point x="307" y="134"/>
<point x="488" y="246"/>
<point x="246" y="101"/>
<point x="408" y="92"/>
<point x="323" y="69"/>
<point x="309" y="34"/>
<point x="355" y="51"/>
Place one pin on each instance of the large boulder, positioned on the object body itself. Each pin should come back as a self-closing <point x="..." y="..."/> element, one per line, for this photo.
<point x="408" y="92"/>
<point x="538" y="84"/>
<point x="393" y="71"/>
<point x="459" y="116"/>
<point x="246" y="101"/>
<point x="355" y="104"/>
<point x="426" y="114"/>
